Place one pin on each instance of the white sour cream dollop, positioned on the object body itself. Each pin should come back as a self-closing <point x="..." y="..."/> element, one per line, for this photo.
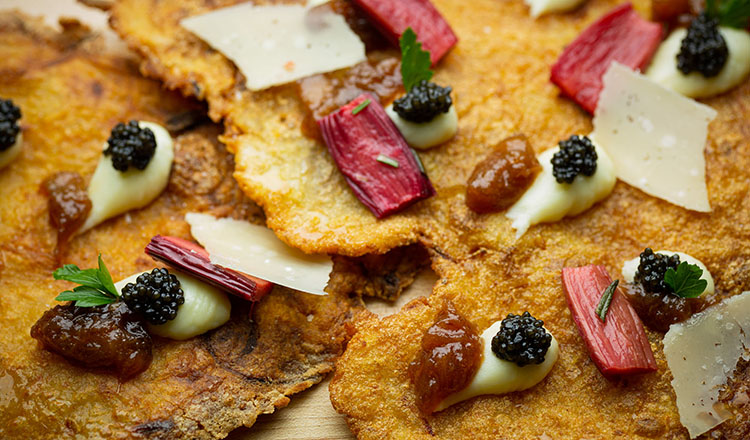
<point x="630" y="267"/>
<point x="205" y="308"/>
<point x="548" y="201"/>
<point x="541" y="7"/>
<point x="9" y="155"/>
<point x="498" y="376"/>
<point x="663" y="69"/>
<point x="429" y="134"/>
<point x="114" y="192"/>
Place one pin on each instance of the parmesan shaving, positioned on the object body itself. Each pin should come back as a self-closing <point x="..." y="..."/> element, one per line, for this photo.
<point x="256" y="251"/>
<point x="655" y="137"/>
<point x="277" y="44"/>
<point x="702" y="353"/>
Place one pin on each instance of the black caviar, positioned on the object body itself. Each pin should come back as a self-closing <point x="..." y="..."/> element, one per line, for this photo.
<point x="703" y="50"/>
<point x="651" y="271"/>
<point x="424" y="102"/>
<point x="155" y="295"/>
<point x="130" y="145"/>
<point x="522" y="340"/>
<point x="9" y="116"/>
<point x="577" y="155"/>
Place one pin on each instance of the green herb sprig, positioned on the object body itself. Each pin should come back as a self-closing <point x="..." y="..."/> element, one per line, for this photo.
<point x="415" y="62"/>
<point x="606" y="300"/>
<point x="96" y="286"/>
<point x="686" y="280"/>
<point x="730" y="13"/>
<point x="361" y="106"/>
<point x="382" y="158"/>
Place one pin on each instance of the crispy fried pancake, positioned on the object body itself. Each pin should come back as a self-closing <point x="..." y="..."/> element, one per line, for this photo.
<point x="500" y="74"/>
<point x="200" y="388"/>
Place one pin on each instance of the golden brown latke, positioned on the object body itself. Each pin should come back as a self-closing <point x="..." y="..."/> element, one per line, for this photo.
<point x="200" y="388"/>
<point x="500" y="74"/>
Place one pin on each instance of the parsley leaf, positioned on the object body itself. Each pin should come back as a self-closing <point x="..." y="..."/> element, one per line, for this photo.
<point x="106" y="278"/>
<point x="731" y="13"/>
<point x="415" y="62"/>
<point x="96" y="286"/>
<point x="686" y="280"/>
<point x="606" y="300"/>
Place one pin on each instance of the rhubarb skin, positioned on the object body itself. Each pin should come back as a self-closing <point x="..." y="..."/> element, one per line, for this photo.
<point x="618" y="346"/>
<point x="193" y="259"/>
<point x="393" y="17"/>
<point x="622" y="36"/>
<point x="355" y="142"/>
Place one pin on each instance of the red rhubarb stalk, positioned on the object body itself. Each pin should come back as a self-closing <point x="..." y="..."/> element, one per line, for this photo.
<point x="193" y="259"/>
<point x="392" y="17"/>
<point x="617" y="346"/>
<point x="377" y="163"/>
<point x="622" y="36"/>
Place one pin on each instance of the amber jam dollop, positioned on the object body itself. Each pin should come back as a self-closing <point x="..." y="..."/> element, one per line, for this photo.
<point x="68" y="204"/>
<point x="109" y="336"/>
<point x="499" y="180"/>
<point x="450" y="357"/>
<point x="660" y="310"/>
<point x="325" y="93"/>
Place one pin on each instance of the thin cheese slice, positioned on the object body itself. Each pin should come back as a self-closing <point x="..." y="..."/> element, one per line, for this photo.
<point x="256" y="251"/>
<point x="702" y="353"/>
<point x="277" y="44"/>
<point x="655" y="137"/>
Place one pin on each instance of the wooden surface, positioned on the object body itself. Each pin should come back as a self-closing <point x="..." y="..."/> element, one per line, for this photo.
<point x="309" y="415"/>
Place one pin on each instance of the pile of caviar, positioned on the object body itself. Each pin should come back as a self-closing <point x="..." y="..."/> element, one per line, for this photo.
<point x="424" y="102"/>
<point x="577" y="155"/>
<point x="651" y="271"/>
<point x="703" y="50"/>
<point x="155" y="295"/>
<point x="130" y="145"/>
<point x="9" y="116"/>
<point x="522" y="340"/>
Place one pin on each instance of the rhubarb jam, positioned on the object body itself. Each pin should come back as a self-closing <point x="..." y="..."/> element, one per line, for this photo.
<point x="325" y="93"/>
<point x="108" y="336"/>
<point x="669" y="10"/>
<point x="659" y="310"/>
<point x="68" y="204"/>
<point x="450" y="357"/>
<point x="503" y="176"/>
